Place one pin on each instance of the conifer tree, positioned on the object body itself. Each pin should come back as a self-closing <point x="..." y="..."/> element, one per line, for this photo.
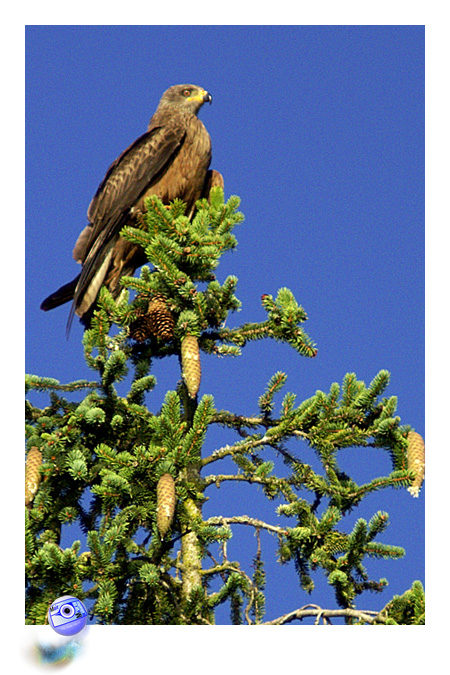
<point x="134" y="478"/>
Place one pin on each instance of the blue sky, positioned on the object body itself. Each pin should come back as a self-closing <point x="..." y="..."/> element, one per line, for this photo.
<point x="320" y="131"/>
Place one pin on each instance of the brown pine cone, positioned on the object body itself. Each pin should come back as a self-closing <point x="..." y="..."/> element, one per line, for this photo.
<point x="161" y="321"/>
<point x="139" y="328"/>
<point x="157" y="321"/>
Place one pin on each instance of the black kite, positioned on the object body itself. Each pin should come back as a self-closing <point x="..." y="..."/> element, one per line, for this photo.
<point x="170" y="161"/>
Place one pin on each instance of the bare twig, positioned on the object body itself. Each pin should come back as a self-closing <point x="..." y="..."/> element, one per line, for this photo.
<point x="209" y="480"/>
<point x="238" y="448"/>
<point x="246" y="520"/>
<point x="366" y="615"/>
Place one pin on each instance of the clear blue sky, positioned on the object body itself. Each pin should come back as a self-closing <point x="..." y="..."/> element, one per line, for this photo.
<point x="320" y="131"/>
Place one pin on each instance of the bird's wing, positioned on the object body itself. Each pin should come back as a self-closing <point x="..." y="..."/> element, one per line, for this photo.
<point x="126" y="180"/>
<point x="132" y="174"/>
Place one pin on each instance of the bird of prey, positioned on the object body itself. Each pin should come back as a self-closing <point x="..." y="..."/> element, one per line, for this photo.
<point x="170" y="160"/>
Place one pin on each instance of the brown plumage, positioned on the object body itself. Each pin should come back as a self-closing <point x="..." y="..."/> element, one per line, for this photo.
<point x="170" y="160"/>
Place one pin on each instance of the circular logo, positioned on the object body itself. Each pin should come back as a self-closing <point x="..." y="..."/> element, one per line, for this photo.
<point x="67" y="615"/>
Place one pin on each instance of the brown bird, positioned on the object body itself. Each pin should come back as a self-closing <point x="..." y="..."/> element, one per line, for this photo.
<point x="171" y="160"/>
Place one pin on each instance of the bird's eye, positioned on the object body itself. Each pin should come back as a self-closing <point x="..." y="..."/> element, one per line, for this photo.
<point x="186" y="92"/>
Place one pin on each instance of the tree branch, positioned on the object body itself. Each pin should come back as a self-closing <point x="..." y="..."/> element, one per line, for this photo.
<point x="269" y="439"/>
<point x="226" y="566"/>
<point x="237" y="447"/>
<point x="246" y="520"/>
<point x="209" y="480"/>
<point x="368" y="616"/>
<point x="229" y="419"/>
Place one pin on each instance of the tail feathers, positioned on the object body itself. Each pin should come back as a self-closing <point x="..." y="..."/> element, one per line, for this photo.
<point x="61" y="296"/>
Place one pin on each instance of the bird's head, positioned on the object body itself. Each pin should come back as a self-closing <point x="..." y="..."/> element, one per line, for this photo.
<point x="186" y="97"/>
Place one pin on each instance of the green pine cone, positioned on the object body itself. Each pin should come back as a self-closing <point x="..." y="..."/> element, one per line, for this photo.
<point x="165" y="503"/>
<point x="190" y="360"/>
<point x="32" y="474"/>
<point x="416" y="461"/>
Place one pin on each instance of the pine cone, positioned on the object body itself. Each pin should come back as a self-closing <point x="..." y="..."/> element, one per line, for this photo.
<point x="32" y="473"/>
<point x="140" y="329"/>
<point x="157" y="321"/>
<point x="165" y="503"/>
<point x="416" y="461"/>
<point x="190" y="362"/>
<point x="161" y="321"/>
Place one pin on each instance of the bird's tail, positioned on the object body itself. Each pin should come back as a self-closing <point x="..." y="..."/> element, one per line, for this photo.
<point x="61" y="296"/>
